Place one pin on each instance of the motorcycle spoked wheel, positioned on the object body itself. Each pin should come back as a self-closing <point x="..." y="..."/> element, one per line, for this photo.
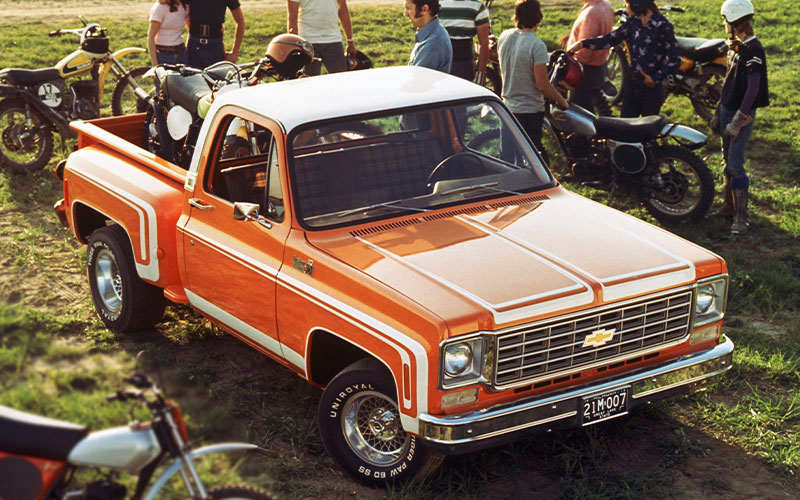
<point x="23" y="149"/>
<point x="124" y="100"/>
<point x="708" y="93"/>
<point x="682" y="187"/>
<point x="494" y="81"/>
<point x="616" y="74"/>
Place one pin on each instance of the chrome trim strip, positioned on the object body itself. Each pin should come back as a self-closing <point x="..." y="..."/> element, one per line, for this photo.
<point x="503" y="419"/>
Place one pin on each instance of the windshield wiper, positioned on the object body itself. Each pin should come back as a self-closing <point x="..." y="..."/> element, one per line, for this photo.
<point x="489" y="185"/>
<point x="386" y="204"/>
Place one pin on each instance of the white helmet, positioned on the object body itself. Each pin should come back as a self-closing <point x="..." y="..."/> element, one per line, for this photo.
<point x="735" y="10"/>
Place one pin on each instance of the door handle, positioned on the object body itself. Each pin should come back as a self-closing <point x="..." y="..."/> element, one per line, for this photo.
<point x="199" y="204"/>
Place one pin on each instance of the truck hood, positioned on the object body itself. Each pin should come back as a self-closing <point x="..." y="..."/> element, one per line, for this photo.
<point x="502" y="263"/>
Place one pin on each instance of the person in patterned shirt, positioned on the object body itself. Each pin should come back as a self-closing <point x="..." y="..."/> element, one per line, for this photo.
<point x="653" y="51"/>
<point x="745" y="89"/>
<point x="463" y="19"/>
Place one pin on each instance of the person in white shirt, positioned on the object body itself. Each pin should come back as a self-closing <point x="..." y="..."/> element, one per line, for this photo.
<point x="318" y="22"/>
<point x="165" y="34"/>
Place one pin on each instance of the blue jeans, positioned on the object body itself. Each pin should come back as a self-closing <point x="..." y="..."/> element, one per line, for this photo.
<point x="733" y="149"/>
<point x="532" y="125"/>
<point x="640" y="100"/>
<point x="587" y="93"/>
<point x="331" y="55"/>
<point x="172" y="57"/>
<point x="203" y="54"/>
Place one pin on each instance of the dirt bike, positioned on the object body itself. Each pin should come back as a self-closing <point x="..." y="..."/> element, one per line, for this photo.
<point x="37" y="102"/>
<point x="700" y="76"/>
<point x="40" y="458"/>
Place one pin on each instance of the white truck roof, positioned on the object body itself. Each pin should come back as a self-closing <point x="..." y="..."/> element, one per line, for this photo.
<point x="294" y="102"/>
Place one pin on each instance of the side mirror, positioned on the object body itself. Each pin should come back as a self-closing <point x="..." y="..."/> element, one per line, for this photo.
<point x="249" y="211"/>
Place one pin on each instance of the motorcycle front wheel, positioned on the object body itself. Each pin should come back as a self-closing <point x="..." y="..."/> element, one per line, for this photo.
<point x="24" y="148"/>
<point x="124" y="100"/>
<point x="616" y="75"/>
<point x="707" y="94"/>
<point x="681" y="186"/>
<point x="238" y="492"/>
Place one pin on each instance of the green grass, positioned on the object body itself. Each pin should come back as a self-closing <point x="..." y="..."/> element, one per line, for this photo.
<point x="57" y="359"/>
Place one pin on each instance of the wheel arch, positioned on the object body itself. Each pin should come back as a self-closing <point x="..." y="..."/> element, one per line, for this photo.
<point x="86" y="220"/>
<point x="329" y="354"/>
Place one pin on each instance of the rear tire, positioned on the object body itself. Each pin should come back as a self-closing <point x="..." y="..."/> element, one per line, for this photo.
<point x="124" y="101"/>
<point x="360" y="427"/>
<point x="20" y="152"/>
<point x="238" y="492"/>
<point x="617" y="74"/>
<point x="687" y="186"/>
<point x="124" y="302"/>
<point x="708" y="93"/>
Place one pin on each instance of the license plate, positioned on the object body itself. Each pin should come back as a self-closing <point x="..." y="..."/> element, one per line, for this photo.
<point x="604" y="406"/>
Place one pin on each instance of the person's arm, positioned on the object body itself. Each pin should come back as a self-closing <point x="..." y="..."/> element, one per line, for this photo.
<point x="292" y="10"/>
<point x="673" y="54"/>
<point x="602" y="42"/>
<point x="347" y="26"/>
<point x="238" y="35"/>
<point x="151" y="42"/>
<point x="546" y="88"/>
<point x="483" y="44"/>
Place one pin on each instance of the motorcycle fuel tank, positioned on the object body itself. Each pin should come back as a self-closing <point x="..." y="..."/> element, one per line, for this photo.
<point x="127" y="449"/>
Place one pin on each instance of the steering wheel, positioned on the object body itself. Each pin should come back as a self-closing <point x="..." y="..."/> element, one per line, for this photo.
<point x="462" y="158"/>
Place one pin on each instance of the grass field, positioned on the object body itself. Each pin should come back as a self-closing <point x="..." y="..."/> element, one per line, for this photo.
<point x="737" y="440"/>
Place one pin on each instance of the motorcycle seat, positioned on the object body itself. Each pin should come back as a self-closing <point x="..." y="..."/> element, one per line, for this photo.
<point x="630" y="129"/>
<point x="186" y="91"/>
<point x="701" y="49"/>
<point x="33" y="435"/>
<point x="16" y="76"/>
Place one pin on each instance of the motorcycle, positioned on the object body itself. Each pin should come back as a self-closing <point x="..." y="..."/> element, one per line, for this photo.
<point x="648" y="156"/>
<point x="183" y="96"/>
<point x="700" y="76"/>
<point x="36" y="102"/>
<point x="40" y="458"/>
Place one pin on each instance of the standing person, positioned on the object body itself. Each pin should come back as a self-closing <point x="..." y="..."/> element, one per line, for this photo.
<point x="206" y="19"/>
<point x="596" y="18"/>
<point x="318" y="22"/>
<point x="523" y="65"/>
<point x="745" y="89"/>
<point x="165" y="34"/>
<point x="653" y="51"/>
<point x="463" y="19"/>
<point x="432" y="47"/>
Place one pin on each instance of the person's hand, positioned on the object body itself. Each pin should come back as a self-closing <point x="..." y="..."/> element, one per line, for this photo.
<point x="739" y="121"/>
<point x="562" y="103"/>
<point x="575" y="47"/>
<point x="230" y="56"/>
<point x="351" y="48"/>
<point x="649" y="82"/>
<point x="480" y="78"/>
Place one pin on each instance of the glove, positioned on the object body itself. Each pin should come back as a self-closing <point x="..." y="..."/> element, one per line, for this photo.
<point x="739" y="121"/>
<point x="714" y="122"/>
<point x="480" y="78"/>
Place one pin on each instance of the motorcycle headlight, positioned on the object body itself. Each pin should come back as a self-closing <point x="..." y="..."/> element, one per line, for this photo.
<point x="461" y="362"/>
<point x="709" y="305"/>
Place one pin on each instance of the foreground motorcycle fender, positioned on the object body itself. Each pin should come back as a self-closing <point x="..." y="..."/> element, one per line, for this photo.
<point x="687" y="136"/>
<point x="106" y="67"/>
<point x="176" y="466"/>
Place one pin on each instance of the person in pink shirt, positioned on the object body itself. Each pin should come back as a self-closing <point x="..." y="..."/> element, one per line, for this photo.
<point x="596" y="18"/>
<point x="165" y="34"/>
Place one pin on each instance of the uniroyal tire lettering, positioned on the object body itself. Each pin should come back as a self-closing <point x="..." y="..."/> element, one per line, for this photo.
<point x="348" y="391"/>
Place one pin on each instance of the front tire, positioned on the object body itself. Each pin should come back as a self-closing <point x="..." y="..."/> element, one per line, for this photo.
<point x="360" y="427"/>
<point x="238" y="492"/>
<point x="708" y="93"/>
<point x="23" y="149"/>
<point x="617" y="74"/>
<point x="124" y="302"/>
<point x="124" y="100"/>
<point x="682" y="185"/>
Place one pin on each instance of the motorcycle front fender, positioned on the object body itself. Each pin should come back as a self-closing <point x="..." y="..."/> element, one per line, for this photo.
<point x="106" y="66"/>
<point x="177" y="464"/>
<point x="684" y="134"/>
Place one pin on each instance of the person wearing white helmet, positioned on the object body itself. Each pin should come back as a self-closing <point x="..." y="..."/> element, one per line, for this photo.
<point x="745" y="89"/>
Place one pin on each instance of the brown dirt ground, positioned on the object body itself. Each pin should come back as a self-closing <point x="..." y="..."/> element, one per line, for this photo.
<point x="724" y="472"/>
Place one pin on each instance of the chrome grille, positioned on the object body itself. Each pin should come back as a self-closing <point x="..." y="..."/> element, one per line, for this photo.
<point x="556" y="346"/>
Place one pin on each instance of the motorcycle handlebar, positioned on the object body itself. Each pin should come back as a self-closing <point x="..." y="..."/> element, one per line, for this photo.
<point x="54" y="33"/>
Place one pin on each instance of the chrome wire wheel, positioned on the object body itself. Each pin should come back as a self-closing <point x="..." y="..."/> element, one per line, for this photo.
<point x="371" y="426"/>
<point x="108" y="280"/>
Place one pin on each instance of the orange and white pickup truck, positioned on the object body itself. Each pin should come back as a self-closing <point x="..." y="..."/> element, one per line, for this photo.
<point x="445" y="291"/>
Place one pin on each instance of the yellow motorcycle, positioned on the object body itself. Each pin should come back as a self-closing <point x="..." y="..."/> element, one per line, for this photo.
<point x="37" y="102"/>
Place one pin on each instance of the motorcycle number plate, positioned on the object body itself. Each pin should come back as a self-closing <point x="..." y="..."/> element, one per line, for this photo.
<point x="49" y="94"/>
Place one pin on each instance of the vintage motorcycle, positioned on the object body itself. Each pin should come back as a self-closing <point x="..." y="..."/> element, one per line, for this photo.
<point x="37" y="102"/>
<point x="40" y="457"/>
<point x="183" y="96"/>
<point x="700" y="76"/>
<point x="649" y="156"/>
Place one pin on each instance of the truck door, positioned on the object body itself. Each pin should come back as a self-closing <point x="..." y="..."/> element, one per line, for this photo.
<point x="231" y="265"/>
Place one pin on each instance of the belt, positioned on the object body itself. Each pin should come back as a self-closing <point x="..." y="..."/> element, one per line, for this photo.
<point x="171" y="49"/>
<point x="206" y="30"/>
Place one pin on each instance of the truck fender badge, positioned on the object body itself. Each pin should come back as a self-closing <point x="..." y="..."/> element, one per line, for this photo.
<point x="300" y="265"/>
<point x="599" y="337"/>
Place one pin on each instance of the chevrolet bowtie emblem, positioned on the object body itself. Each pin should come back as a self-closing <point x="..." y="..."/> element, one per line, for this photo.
<point x="599" y="337"/>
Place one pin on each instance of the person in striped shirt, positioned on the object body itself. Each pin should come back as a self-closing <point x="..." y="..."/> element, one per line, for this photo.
<point x="463" y="19"/>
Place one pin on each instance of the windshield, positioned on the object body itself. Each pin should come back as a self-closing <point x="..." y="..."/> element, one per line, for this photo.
<point x="361" y="169"/>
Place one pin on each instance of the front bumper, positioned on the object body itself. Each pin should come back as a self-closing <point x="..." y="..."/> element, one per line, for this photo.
<point x="455" y="434"/>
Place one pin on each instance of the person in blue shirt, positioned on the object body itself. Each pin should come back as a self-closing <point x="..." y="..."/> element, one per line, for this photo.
<point x="653" y="51"/>
<point x="432" y="48"/>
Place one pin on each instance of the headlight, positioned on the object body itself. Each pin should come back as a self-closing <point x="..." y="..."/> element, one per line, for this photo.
<point x="709" y="305"/>
<point x="461" y="362"/>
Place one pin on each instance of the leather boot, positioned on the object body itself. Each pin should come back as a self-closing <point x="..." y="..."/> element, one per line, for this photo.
<point x="726" y="210"/>
<point x="740" y="219"/>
